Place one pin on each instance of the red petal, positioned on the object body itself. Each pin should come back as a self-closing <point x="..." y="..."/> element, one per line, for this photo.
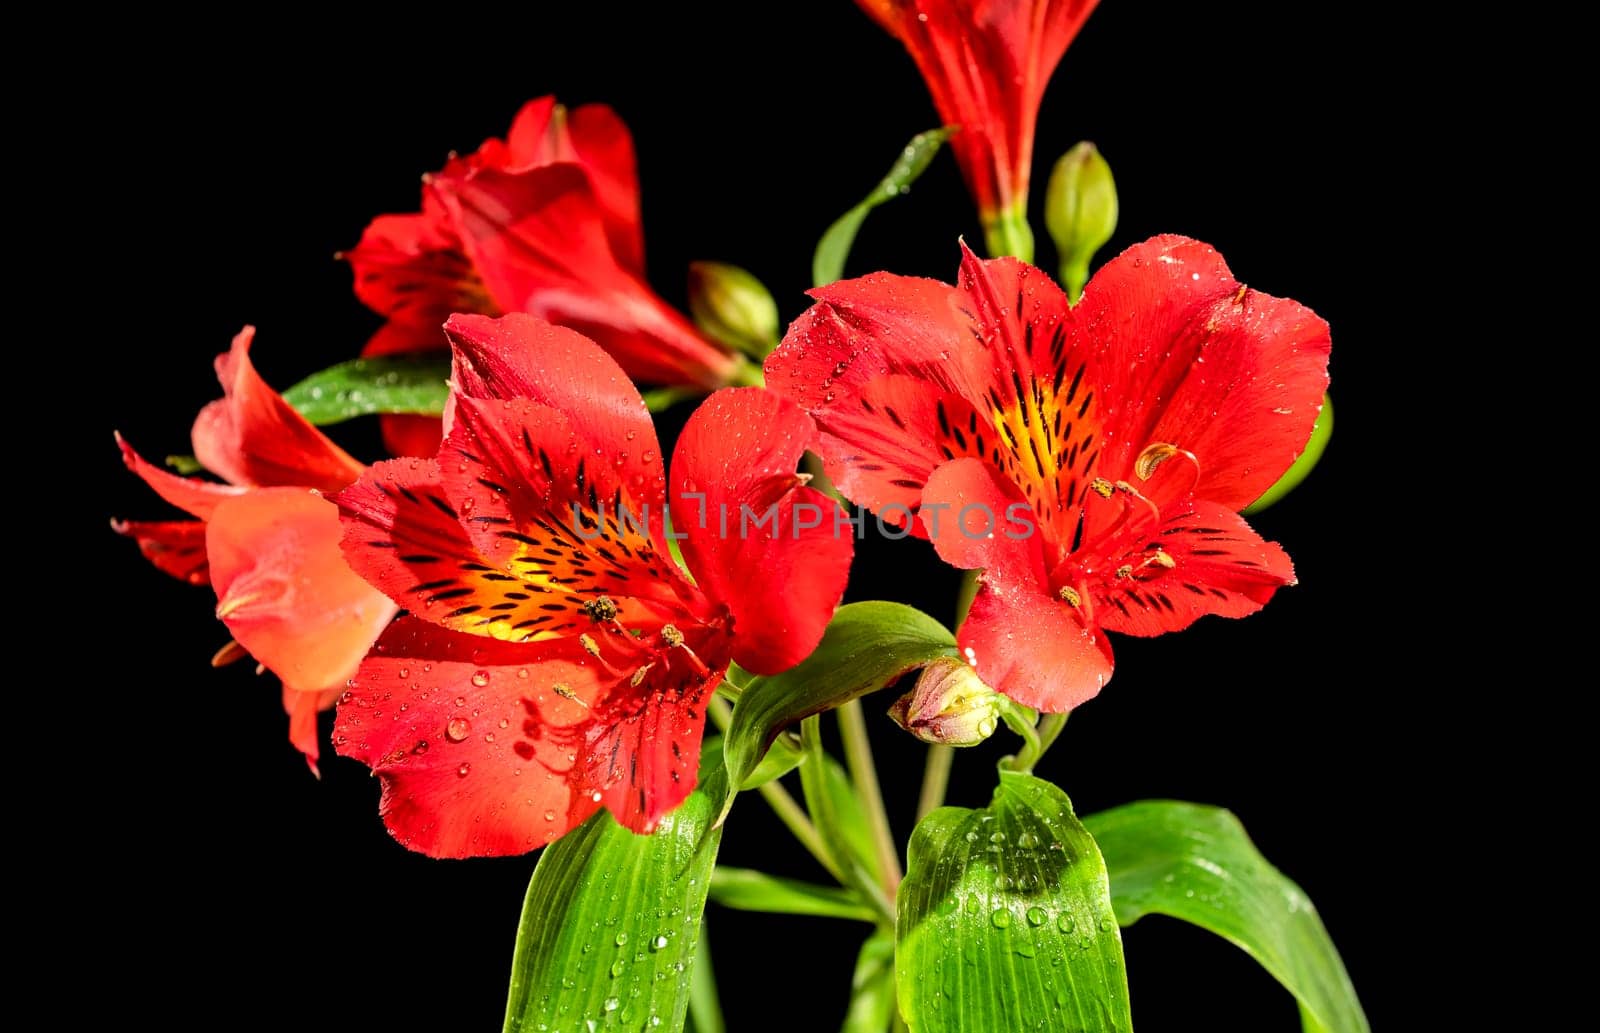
<point x="780" y="580"/>
<point x="284" y="591"/>
<point x="302" y="708"/>
<point x="605" y="149"/>
<point x="538" y="136"/>
<point x="643" y="755"/>
<point x="194" y="496"/>
<point x="402" y="536"/>
<point x="543" y="133"/>
<point x="872" y="364"/>
<point x="977" y="520"/>
<point x="475" y="741"/>
<point x="520" y="356"/>
<point x="1221" y="566"/>
<point x="553" y="515"/>
<point x="538" y="238"/>
<point x="1032" y="646"/>
<point x="1200" y="362"/>
<point x="413" y="269"/>
<point x="252" y="436"/>
<point x="488" y="748"/>
<point x="177" y="547"/>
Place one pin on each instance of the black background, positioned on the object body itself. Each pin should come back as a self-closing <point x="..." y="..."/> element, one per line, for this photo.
<point x="246" y="163"/>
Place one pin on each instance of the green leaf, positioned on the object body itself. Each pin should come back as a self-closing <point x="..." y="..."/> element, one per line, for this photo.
<point x="867" y="645"/>
<point x="827" y="263"/>
<point x="1006" y="920"/>
<point x="705" y="1011"/>
<point x="1195" y="863"/>
<point x="748" y="890"/>
<point x="608" y="930"/>
<point x="411" y="384"/>
<point x="872" y="987"/>
<point x="784" y="756"/>
<point x="1321" y="431"/>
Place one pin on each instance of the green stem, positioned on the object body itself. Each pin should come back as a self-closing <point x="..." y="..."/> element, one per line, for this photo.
<point x="1050" y="726"/>
<point x="858" y="757"/>
<point x="819" y="801"/>
<point x="783" y="805"/>
<point x="935" y="778"/>
<point x="794" y="818"/>
<point x="1008" y="233"/>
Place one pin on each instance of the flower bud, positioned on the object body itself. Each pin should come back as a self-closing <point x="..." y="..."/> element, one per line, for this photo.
<point x="950" y="705"/>
<point x="1080" y="210"/>
<point x="732" y="307"/>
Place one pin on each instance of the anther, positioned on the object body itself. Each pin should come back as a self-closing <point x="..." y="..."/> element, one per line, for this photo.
<point x="565" y="692"/>
<point x="1102" y="487"/>
<point x="601" y="608"/>
<point x="1126" y="570"/>
<point x="1070" y="596"/>
<point x="639" y="675"/>
<point x="590" y="646"/>
<point x="671" y="636"/>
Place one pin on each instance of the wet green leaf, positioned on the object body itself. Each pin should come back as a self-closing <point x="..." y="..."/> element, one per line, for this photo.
<point x="1196" y="863"/>
<point x="609" y="926"/>
<point x="1005" y="920"/>
<point x="408" y="384"/>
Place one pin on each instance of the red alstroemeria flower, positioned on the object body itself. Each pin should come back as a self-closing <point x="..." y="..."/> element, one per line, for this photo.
<point x="267" y="542"/>
<point x="987" y="63"/>
<point x="556" y="659"/>
<point x="547" y="222"/>
<point x="1091" y="459"/>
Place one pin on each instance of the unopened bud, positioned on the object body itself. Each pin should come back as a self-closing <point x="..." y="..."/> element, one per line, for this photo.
<point x="732" y="307"/>
<point x="1080" y="211"/>
<point x="950" y="705"/>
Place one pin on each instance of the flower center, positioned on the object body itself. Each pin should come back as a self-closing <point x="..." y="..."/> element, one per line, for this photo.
<point x="1118" y="518"/>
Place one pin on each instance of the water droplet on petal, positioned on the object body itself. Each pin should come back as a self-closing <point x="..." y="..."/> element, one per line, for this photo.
<point x="480" y="679"/>
<point x="461" y="772"/>
<point x="457" y="729"/>
<point x="1036" y="916"/>
<point x="1001" y="918"/>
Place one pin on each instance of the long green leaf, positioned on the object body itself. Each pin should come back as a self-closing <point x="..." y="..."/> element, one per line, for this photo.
<point x="867" y="645"/>
<point x="827" y="263"/>
<point x="1197" y="864"/>
<point x="411" y="384"/>
<point x="1005" y="920"/>
<point x="747" y="890"/>
<point x="872" y="987"/>
<point x="608" y="931"/>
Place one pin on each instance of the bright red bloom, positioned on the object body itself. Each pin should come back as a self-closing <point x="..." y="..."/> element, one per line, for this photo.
<point x="267" y="542"/>
<point x="986" y="63"/>
<point x="547" y="222"/>
<point x="557" y="659"/>
<point x="1091" y="459"/>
